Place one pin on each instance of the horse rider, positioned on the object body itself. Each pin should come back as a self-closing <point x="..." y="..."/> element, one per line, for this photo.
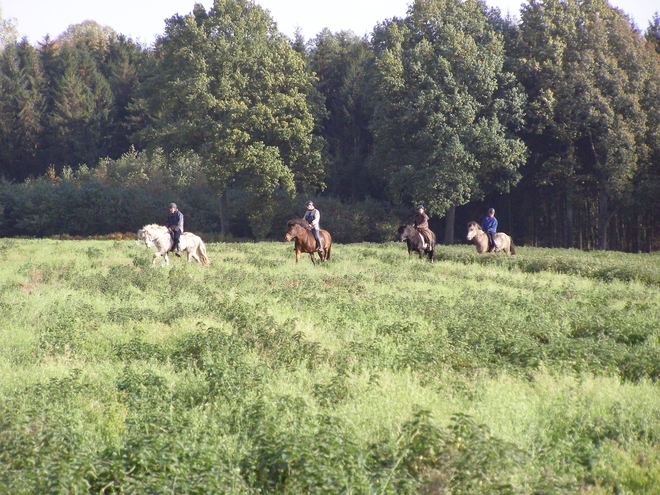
<point x="489" y="226"/>
<point x="421" y="223"/>
<point x="312" y="217"/>
<point x="174" y="224"/>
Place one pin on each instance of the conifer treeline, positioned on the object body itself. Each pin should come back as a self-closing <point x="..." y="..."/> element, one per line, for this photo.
<point x="554" y="120"/>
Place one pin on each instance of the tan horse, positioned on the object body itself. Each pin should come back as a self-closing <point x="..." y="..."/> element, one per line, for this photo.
<point x="305" y="242"/>
<point x="159" y="236"/>
<point x="480" y="238"/>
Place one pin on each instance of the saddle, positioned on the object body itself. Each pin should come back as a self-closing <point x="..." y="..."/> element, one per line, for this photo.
<point x="425" y="242"/>
<point x="491" y="246"/>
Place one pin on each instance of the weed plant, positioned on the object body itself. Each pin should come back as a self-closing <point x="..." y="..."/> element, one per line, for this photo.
<point x="372" y="373"/>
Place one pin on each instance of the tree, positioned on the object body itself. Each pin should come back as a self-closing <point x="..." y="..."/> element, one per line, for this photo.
<point x="582" y="64"/>
<point x="8" y="32"/>
<point x="81" y="108"/>
<point x="652" y="34"/>
<point x="22" y="107"/>
<point x="229" y="86"/>
<point x="343" y="63"/>
<point x="446" y="107"/>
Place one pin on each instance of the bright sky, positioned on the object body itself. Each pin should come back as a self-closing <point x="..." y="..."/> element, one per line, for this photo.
<point x="142" y="20"/>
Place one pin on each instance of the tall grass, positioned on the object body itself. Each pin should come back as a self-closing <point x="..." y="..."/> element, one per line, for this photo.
<point x="372" y="373"/>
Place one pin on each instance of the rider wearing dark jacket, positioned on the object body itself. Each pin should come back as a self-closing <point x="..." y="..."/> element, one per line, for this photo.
<point x="174" y="224"/>
<point x="421" y="223"/>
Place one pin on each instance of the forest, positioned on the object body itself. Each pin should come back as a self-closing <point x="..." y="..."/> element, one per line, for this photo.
<point x="552" y="118"/>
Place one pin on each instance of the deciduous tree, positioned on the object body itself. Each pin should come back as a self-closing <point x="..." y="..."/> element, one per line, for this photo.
<point x="230" y="87"/>
<point x="447" y="106"/>
<point x="583" y="65"/>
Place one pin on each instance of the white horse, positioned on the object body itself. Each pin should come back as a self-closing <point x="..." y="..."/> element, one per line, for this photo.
<point x="480" y="238"/>
<point x="159" y="236"/>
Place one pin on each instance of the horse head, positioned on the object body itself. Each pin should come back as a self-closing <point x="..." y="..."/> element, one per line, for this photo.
<point x="295" y="228"/>
<point x="142" y="235"/>
<point x="473" y="230"/>
<point x="404" y="232"/>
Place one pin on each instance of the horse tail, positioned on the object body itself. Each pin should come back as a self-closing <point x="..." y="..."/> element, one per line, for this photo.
<point x="327" y="251"/>
<point x="201" y="252"/>
<point x="513" y="246"/>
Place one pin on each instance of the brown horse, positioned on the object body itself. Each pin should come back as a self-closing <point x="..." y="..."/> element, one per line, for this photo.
<point x="416" y="242"/>
<point x="305" y="242"/>
<point x="480" y="238"/>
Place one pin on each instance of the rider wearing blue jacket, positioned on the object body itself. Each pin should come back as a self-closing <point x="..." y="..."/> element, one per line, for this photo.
<point x="489" y="226"/>
<point x="174" y="224"/>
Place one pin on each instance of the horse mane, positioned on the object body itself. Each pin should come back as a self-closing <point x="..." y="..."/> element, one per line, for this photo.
<point x="474" y="224"/>
<point x="154" y="226"/>
<point x="298" y="221"/>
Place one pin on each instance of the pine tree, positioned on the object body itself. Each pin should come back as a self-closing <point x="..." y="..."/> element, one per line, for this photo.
<point x="81" y="107"/>
<point x="343" y="63"/>
<point x="652" y="34"/>
<point x="22" y="106"/>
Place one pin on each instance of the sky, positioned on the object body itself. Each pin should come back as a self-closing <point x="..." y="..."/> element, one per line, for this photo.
<point x="143" y="20"/>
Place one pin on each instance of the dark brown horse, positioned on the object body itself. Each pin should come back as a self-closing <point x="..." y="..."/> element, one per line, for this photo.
<point x="305" y="242"/>
<point x="416" y="242"/>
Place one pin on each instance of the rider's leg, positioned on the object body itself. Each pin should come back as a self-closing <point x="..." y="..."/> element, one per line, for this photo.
<point x="176" y="235"/>
<point x="492" y="235"/>
<point x="319" y="242"/>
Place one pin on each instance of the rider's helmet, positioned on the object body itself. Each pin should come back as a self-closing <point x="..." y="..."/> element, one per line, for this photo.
<point x="173" y="205"/>
<point x="420" y="207"/>
<point x="309" y="203"/>
<point x="492" y="210"/>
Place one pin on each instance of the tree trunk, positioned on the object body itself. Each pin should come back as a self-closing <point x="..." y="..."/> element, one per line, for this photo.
<point x="569" y="217"/>
<point x="603" y="219"/>
<point x="224" y="213"/>
<point x="450" y="218"/>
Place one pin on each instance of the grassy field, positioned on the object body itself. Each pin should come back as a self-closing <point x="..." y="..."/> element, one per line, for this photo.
<point x="372" y="373"/>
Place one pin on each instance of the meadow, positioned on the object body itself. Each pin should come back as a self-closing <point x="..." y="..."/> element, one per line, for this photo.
<point x="372" y="373"/>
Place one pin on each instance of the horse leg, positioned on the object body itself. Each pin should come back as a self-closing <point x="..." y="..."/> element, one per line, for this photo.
<point x="311" y="255"/>
<point x="297" y="254"/>
<point x="156" y="255"/>
<point x="192" y="255"/>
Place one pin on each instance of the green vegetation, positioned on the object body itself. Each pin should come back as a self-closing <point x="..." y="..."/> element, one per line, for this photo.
<point x="372" y="373"/>
<point x="553" y="119"/>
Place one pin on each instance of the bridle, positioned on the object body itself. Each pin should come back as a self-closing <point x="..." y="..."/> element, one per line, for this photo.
<point x="149" y="242"/>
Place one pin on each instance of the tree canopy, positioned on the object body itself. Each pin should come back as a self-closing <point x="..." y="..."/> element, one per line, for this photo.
<point x="229" y="86"/>
<point x="447" y="106"/>
<point x="553" y="119"/>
